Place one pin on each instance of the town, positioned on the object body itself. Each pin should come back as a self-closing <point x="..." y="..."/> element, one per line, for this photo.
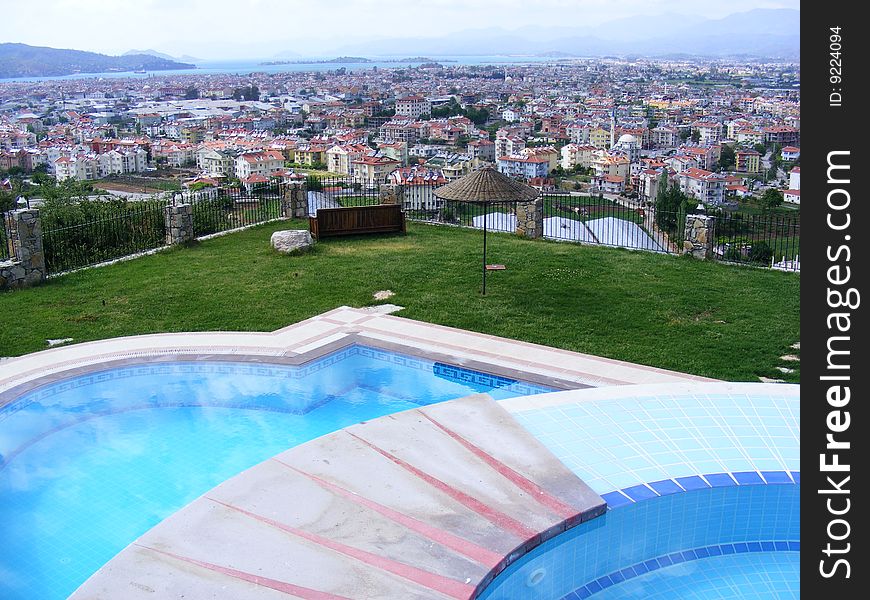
<point x="721" y="130"/>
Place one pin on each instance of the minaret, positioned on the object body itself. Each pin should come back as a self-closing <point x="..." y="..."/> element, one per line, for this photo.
<point x="613" y="127"/>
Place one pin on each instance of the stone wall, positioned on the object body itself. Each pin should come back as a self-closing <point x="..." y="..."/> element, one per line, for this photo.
<point x="27" y="265"/>
<point x="530" y="218"/>
<point x="699" y="236"/>
<point x="179" y="224"/>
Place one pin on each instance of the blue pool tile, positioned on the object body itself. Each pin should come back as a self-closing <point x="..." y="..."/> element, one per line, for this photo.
<point x="748" y="478"/>
<point x="796" y="476"/>
<point x="605" y="582"/>
<point x="651" y="564"/>
<point x="776" y="477"/>
<point x="781" y="546"/>
<point x="768" y="546"/>
<point x="676" y="557"/>
<point x="594" y="587"/>
<point x="741" y="547"/>
<point x="689" y="555"/>
<point x="627" y="573"/>
<point x="666" y="486"/>
<point x="639" y="492"/>
<point x="617" y="577"/>
<point x="719" y="479"/>
<point x="615" y="499"/>
<point x="794" y="546"/>
<point x="692" y="482"/>
<point x="583" y="593"/>
<point x="640" y="569"/>
<point x="715" y="550"/>
<point x="702" y="552"/>
<point x="754" y="546"/>
<point x="727" y="548"/>
<point x="665" y="561"/>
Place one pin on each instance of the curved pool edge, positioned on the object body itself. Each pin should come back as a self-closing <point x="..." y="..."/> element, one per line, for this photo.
<point x="381" y="508"/>
<point x="250" y="517"/>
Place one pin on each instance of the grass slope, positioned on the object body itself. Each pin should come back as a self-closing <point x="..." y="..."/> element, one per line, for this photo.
<point x="693" y="316"/>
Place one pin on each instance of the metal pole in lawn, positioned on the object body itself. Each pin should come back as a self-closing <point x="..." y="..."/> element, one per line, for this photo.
<point x="484" y="248"/>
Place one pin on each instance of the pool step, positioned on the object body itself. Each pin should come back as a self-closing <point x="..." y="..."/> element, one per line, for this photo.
<point x="427" y="503"/>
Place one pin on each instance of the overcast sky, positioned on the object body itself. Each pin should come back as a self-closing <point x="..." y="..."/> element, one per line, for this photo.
<point x="262" y="28"/>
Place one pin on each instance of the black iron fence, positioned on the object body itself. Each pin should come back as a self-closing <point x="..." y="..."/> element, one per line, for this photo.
<point x="96" y="231"/>
<point x="75" y="236"/>
<point x="762" y="240"/>
<point x="5" y="241"/>
<point x="600" y="220"/>
<point x="222" y="209"/>
<point x="587" y="219"/>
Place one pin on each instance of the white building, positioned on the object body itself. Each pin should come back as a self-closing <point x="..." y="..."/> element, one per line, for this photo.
<point x="413" y="107"/>
<point x="262" y="163"/>
<point x="705" y="186"/>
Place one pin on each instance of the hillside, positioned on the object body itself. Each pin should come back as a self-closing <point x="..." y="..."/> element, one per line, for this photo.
<point x="21" y="60"/>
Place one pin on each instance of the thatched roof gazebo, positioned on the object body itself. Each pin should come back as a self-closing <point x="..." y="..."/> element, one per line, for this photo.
<point x="482" y="187"/>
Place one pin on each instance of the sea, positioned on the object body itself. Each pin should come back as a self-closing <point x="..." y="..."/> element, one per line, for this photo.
<point x="244" y="67"/>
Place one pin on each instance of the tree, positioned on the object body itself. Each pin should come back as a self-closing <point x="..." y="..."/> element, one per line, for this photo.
<point x="191" y="93"/>
<point x="771" y="198"/>
<point x="313" y="184"/>
<point x="727" y="158"/>
<point x="696" y="136"/>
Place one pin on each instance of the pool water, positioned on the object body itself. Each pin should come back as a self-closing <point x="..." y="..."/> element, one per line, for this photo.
<point x="706" y="544"/>
<point x="89" y="464"/>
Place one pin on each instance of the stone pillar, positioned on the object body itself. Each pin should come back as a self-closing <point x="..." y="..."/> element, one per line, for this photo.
<point x="392" y="194"/>
<point x="294" y="205"/>
<point x="530" y="218"/>
<point x="179" y="224"/>
<point x="27" y="265"/>
<point x="699" y="236"/>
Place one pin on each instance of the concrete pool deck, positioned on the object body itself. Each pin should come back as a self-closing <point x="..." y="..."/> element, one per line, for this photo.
<point x="327" y="332"/>
<point x="425" y="504"/>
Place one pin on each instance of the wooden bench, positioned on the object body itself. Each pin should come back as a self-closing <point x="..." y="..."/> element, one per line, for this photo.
<point x="353" y="220"/>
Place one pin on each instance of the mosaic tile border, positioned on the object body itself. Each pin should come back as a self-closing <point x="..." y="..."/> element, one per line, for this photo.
<point x="674" y="558"/>
<point x="664" y="487"/>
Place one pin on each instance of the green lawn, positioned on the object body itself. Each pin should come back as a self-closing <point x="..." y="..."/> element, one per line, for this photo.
<point x="673" y="312"/>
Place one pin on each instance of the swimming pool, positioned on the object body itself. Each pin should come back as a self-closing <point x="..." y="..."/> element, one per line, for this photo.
<point x="703" y="490"/>
<point x="88" y="464"/>
<point x="737" y="541"/>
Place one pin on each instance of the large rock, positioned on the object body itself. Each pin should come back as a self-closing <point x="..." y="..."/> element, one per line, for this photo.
<point x="292" y="240"/>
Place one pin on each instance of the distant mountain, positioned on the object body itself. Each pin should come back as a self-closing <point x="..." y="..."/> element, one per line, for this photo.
<point x="21" y="60"/>
<point x="773" y="33"/>
<point x="150" y="52"/>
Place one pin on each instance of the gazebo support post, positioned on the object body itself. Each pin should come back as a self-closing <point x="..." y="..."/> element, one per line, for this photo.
<point x="484" y="248"/>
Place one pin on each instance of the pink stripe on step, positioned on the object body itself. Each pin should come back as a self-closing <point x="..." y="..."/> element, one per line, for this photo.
<point x="518" y="479"/>
<point x="433" y="581"/>
<point x="457" y="544"/>
<point x="274" y="584"/>
<point x="490" y="514"/>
